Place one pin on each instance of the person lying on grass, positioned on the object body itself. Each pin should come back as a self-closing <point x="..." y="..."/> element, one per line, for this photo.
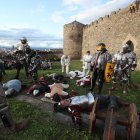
<point x="5" y="113"/>
<point x="85" y="81"/>
<point x="12" y="87"/>
<point x="40" y="87"/>
<point x="58" y="87"/>
<point x="77" y="104"/>
<point x="76" y="73"/>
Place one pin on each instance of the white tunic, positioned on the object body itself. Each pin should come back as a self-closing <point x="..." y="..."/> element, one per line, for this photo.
<point x="87" y="61"/>
<point x="65" y="61"/>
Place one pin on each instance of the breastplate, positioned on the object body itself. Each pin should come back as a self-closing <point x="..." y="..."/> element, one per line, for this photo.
<point x="83" y="101"/>
<point x="121" y="59"/>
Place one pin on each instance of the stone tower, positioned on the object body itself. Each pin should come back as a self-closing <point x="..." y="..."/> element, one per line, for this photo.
<point x="73" y="35"/>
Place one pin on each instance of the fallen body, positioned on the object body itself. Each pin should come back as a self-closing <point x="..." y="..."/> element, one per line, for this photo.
<point x="77" y="104"/>
<point x="40" y="87"/>
<point x="57" y="88"/>
<point x="12" y="87"/>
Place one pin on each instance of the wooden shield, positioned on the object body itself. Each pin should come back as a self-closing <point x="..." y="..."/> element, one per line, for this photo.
<point x="109" y="71"/>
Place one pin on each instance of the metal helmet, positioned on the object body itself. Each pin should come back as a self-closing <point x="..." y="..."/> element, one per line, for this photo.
<point x="101" y="47"/>
<point x="125" y="48"/>
<point x="23" y="39"/>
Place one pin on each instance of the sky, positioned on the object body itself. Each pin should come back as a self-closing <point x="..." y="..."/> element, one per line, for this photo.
<point x="42" y="21"/>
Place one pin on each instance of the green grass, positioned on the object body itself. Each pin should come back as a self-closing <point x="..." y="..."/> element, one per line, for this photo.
<point x="42" y="125"/>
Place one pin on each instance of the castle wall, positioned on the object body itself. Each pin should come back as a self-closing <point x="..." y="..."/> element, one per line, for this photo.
<point x="114" y="30"/>
<point x="73" y="34"/>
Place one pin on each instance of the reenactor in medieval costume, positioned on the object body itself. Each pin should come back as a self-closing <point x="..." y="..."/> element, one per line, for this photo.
<point x="125" y="62"/>
<point x="65" y="62"/>
<point x="57" y="88"/>
<point x="20" y="54"/>
<point x="77" y="104"/>
<point x="85" y="81"/>
<point x="33" y="61"/>
<point x="40" y="87"/>
<point x="100" y="58"/>
<point x="5" y="114"/>
<point x="12" y="87"/>
<point x="132" y="62"/>
<point x="120" y="62"/>
<point x="87" y="63"/>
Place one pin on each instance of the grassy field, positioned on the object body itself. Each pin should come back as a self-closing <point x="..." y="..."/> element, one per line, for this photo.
<point x="42" y="125"/>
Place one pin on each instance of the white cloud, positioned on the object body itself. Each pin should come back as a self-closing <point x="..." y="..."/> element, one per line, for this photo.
<point x="57" y="16"/>
<point x="83" y="3"/>
<point x="46" y="44"/>
<point x="5" y="42"/>
<point x="72" y="8"/>
<point x="33" y="44"/>
<point x="10" y="36"/>
<point x="98" y="11"/>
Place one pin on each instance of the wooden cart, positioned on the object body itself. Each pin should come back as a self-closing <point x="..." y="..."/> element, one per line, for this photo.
<point x="112" y="118"/>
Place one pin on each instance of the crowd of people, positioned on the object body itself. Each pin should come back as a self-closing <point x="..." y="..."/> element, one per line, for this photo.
<point x="10" y="63"/>
<point x="123" y="64"/>
<point x="53" y="86"/>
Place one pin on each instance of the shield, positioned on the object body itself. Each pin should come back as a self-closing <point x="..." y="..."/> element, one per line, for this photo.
<point x="109" y="71"/>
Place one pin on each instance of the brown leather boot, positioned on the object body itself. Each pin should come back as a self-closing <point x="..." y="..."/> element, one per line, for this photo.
<point x="21" y="125"/>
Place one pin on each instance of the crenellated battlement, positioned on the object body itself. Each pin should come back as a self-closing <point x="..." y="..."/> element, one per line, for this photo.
<point x="114" y="14"/>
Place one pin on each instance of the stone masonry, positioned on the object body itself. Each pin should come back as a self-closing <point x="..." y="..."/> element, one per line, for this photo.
<point x="73" y="35"/>
<point x="116" y="29"/>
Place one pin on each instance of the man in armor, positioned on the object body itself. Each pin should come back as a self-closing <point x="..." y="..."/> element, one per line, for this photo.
<point x="87" y="63"/>
<point x="33" y="61"/>
<point x="132" y="62"/>
<point x="20" y="54"/>
<point x="77" y="104"/>
<point x="123" y="63"/>
<point x="98" y="66"/>
<point x="5" y="114"/>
